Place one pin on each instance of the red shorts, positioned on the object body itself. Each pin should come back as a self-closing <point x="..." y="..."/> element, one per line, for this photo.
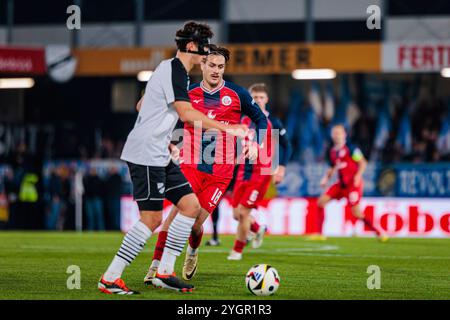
<point x="209" y="189"/>
<point x="250" y="193"/>
<point x="352" y="193"/>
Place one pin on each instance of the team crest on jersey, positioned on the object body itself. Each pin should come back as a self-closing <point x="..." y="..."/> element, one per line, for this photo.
<point x="226" y="100"/>
<point x="160" y="186"/>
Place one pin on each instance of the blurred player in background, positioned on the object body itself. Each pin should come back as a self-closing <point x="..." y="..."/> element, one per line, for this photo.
<point x="350" y="164"/>
<point x="252" y="180"/>
<point x="153" y="174"/>
<point x="209" y="173"/>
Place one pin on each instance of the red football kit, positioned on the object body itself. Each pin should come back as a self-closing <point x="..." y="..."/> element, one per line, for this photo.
<point x="207" y="156"/>
<point x="346" y="160"/>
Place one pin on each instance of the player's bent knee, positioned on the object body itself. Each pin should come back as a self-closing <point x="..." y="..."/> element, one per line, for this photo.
<point x="189" y="205"/>
<point x="236" y="214"/>
<point x="245" y="211"/>
<point x="152" y="219"/>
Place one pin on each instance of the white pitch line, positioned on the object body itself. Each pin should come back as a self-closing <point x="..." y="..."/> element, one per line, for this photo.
<point x="308" y="250"/>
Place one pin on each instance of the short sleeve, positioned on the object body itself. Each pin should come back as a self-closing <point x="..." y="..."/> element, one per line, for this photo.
<point x="176" y="88"/>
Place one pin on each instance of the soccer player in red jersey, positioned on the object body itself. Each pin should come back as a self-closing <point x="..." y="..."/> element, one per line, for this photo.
<point x="207" y="159"/>
<point x="350" y="164"/>
<point x="253" y="179"/>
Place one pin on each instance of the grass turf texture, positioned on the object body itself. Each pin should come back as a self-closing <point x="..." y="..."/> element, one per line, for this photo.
<point x="33" y="266"/>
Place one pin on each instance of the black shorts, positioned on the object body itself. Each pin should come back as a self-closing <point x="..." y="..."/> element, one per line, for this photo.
<point x="152" y="184"/>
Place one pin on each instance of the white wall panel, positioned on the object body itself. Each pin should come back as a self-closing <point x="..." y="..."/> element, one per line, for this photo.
<point x="163" y="33"/>
<point x="342" y="9"/>
<point x="413" y="28"/>
<point x="107" y="35"/>
<point x="258" y="10"/>
<point x="34" y="35"/>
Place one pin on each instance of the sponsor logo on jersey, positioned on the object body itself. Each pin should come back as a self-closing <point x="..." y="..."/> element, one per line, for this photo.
<point x="226" y="100"/>
<point x="342" y="153"/>
<point x="196" y="101"/>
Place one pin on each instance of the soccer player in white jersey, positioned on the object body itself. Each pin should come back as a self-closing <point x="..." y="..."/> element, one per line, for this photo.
<point x="153" y="174"/>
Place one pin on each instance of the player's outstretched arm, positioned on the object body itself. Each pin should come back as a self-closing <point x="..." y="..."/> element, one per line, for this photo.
<point x="188" y="114"/>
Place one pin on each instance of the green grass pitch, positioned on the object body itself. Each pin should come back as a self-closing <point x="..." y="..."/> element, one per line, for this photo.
<point x="33" y="265"/>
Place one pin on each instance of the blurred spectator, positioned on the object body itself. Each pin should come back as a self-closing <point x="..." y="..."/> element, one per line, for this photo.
<point x="12" y="193"/>
<point x="54" y="206"/>
<point x="60" y="194"/>
<point x="106" y="149"/>
<point x="93" y="191"/>
<point x="29" y="206"/>
<point x="113" y="193"/>
<point x="363" y="133"/>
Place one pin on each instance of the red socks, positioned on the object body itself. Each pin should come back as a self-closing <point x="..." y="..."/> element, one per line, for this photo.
<point x="195" y="240"/>
<point x="239" y="246"/>
<point x="159" y="248"/>
<point x="254" y="227"/>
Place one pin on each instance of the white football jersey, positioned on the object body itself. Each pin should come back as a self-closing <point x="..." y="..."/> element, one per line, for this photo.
<point x="148" y="142"/>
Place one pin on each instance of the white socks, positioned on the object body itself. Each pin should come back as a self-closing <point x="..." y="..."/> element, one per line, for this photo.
<point x="132" y="245"/>
<point x="178" y="234"/>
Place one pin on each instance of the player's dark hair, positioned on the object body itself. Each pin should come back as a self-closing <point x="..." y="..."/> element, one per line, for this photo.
<point x="199" y="33"/>
<point x="258" y="87"/>
<point x="222" y="51"/>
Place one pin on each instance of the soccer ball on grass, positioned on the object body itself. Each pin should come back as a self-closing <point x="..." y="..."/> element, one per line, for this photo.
<point x="262" y="280"/>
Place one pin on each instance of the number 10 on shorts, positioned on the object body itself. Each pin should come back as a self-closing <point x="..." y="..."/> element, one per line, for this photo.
<point x="216" y="196"/>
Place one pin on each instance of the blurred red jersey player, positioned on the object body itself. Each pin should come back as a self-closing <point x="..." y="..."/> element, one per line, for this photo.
<point x="253" y="179"/>
<point x="350" y="164"/>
